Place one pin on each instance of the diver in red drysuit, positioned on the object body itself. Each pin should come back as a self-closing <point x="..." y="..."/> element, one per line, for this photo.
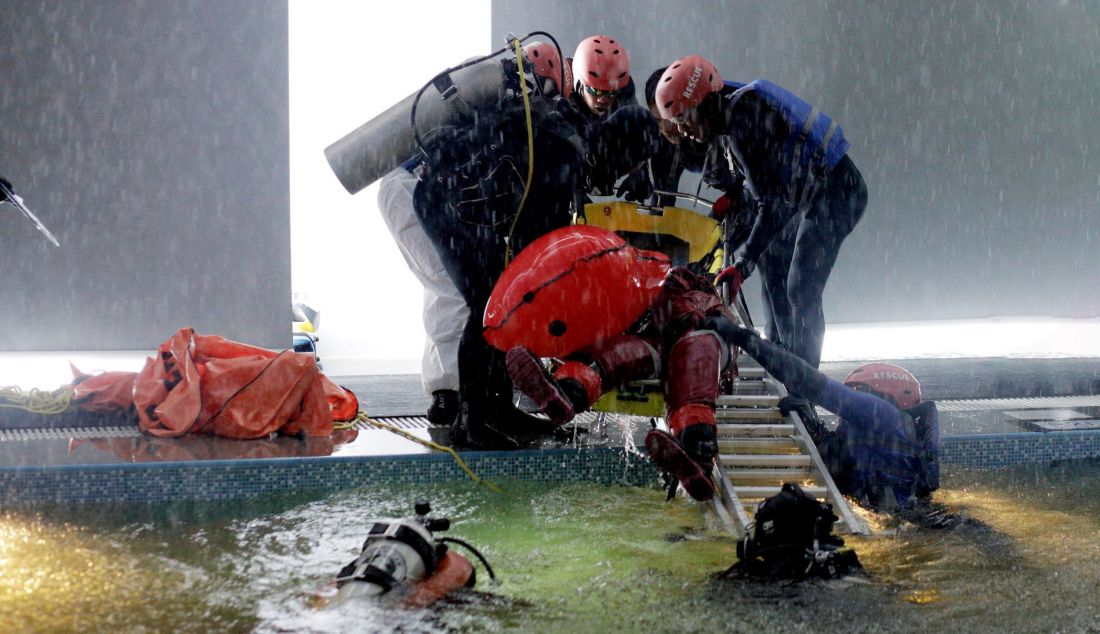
<point x="666" y="342"/>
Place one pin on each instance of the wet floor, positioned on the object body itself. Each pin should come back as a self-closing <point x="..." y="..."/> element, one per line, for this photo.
<point x="1022" y="557"/>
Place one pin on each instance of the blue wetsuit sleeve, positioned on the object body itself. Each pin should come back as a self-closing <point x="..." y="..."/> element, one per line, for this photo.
<point x="799" y="377"/>
<point x="867" y="412"/>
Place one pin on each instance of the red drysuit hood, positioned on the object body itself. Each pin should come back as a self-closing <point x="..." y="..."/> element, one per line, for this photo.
<point x="570" y="289"/>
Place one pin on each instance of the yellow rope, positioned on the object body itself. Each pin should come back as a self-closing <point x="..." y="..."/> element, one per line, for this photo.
<point x="431" y="445"/>
<point x="36" y="401"/>
<point x="530" y="152"/>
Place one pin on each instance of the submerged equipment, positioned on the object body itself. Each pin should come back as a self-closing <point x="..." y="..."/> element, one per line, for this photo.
<point x="453" y="96"/>
<point x="791" y="538"/>
<point x="404" y="554"/>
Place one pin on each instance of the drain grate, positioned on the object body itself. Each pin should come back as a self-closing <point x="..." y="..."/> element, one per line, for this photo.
<point x="68" y="432"/>
<point x="1040" y="402"/>
<point x="401" y="422"/>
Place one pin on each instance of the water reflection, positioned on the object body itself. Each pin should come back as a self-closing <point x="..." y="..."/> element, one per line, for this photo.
<point x="201" y="447"/>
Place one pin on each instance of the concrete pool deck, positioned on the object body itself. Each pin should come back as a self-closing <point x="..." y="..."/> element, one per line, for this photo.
<point x="994" y="412"/>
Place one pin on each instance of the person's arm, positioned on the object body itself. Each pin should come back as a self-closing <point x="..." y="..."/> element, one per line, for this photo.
<point x="866" y="412"/>
<point x="667" y="169"/>
<point x="870" y="413"/>
<point x="799" y="377"/>
<point x="758" y="135"/>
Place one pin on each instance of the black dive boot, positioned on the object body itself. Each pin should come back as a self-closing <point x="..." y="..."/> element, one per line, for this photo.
<point x="444" y="408"/>
<point x="700" y="441"/>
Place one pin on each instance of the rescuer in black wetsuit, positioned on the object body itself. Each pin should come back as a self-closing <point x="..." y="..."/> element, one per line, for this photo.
<point x="476" y="205"/>
<point x="809" y="194"/>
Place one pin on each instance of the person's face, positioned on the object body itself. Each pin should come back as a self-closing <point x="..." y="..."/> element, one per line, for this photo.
<point x="668" y="128"/>
<point x="692" y="125"/>
<point x="598" y="101"/>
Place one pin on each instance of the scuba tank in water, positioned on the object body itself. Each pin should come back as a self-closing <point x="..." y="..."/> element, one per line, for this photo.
<point x="791" y="538"/>
<point x="403" y="557"/>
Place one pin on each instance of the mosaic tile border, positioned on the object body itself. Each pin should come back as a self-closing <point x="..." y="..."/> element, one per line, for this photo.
<point x="990" y="451"/>
<point x="237" y="479"/>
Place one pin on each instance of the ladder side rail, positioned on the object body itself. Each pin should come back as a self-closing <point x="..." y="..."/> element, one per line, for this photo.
<point x="741" y="520"/>
<point x="854" y="522"/>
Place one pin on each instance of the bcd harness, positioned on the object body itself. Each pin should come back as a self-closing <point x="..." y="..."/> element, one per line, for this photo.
<point x="816" y="143"/>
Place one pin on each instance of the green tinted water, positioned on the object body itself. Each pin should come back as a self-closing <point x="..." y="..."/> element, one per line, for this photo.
<point x="571" y="558"/>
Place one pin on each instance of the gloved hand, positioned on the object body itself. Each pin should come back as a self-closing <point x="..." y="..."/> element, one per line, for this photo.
<point x="721" y="207"/>
<point x="5" y="189"/>
<point x="744" y="266"/>
<point x="732" y="275"/>
<point x="636" y="187"/>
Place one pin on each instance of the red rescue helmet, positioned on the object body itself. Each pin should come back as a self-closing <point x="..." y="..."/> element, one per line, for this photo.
<point x="684" y="85"/>
<point x="601" y="63"/>
<point x="571" y="288"/>
<point x="546" y="63"/>
<point x="886" y="379"/>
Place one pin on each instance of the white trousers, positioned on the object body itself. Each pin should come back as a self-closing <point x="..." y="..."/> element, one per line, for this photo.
<point x="445" y="312"/>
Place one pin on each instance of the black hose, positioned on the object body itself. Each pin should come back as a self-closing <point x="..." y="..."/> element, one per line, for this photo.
<point x="468" y="546"/>
<point x="420" y="93"/>
<point x="478" y="60"/>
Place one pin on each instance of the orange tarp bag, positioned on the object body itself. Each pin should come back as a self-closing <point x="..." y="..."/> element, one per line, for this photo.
<point x="103" y="393"/>
<point x="206" y="384"/>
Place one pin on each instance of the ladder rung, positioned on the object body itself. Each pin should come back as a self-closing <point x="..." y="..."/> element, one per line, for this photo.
<point x="766" y="460"/>
<point x="750" y="373"/>
<point x="750" y="388"/>
<point x="760" y="445"/>
<point x="734" y="430"/>
<point x="748" y="413"/>
<point x="748" y="400"/>
<point x="760" y="492"/>
<point x="840" y="526"/>
<point x="778" y="476"/>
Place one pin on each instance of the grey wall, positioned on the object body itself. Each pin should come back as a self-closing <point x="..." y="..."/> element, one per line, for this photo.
<point x="973" y="122"/>
<point x="152" y="138"/>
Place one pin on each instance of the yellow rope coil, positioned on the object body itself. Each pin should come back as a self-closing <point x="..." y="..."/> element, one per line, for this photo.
<point x="36" y="401"/>
<point x="431" y="445"/>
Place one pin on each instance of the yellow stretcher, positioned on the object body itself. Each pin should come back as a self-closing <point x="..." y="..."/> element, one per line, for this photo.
<point x="760" y="447"/>
<point x="684" y="235"/>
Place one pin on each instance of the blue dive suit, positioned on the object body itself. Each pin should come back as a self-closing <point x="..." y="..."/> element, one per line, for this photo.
<point x="879" y="454"/>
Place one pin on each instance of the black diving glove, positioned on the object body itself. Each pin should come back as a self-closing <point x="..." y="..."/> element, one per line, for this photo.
<point x="5" y="189"/>
<point x="744" y="266"/>
<point x="636" y="187"/>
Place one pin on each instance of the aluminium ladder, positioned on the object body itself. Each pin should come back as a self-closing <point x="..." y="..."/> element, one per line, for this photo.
<point x="759" y="449"/>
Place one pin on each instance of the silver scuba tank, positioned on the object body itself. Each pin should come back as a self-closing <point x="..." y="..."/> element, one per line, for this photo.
<point x="383" y="143"/>
<point x="396" y="552"/>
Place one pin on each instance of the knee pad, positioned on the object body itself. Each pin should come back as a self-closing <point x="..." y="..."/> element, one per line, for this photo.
<point x="694" y="370"/>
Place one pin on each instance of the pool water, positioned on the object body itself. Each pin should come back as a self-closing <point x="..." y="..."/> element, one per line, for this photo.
<point x="570" y="558"/>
